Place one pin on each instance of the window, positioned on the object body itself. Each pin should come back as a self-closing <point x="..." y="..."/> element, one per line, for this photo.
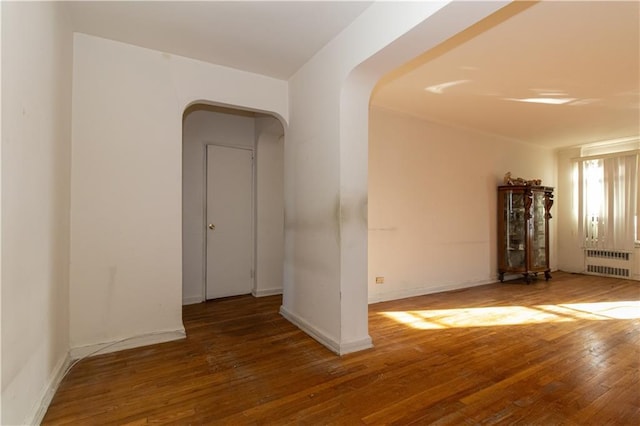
<point x="608" y="205"/>
<point x="594" y="216"/>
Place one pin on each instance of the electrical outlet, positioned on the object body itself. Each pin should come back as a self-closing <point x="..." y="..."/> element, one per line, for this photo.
<point x="379" y="280"/>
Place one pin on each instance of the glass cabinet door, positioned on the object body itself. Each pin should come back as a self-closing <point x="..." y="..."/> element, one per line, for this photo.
<point x="514" y="219"/>
<point x="538" y="237"/>
<point x="523" y="227"/>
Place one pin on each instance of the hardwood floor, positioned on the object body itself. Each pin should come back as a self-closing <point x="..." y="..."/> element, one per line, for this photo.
<point x="562" y="352"/>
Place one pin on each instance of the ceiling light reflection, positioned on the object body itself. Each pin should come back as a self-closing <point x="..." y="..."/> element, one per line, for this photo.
<point x="547" y="101"/>
<point x="438" y="89"/>
<point x="550" y="92"/>
<point x="581" y="102"/>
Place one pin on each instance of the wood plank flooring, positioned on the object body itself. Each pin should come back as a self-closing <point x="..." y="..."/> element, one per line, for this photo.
<point x="559" y="352"/>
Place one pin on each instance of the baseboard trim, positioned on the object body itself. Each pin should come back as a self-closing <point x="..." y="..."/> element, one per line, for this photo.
<point x="312" y="331"/>
<point x="323" y="338"/>
<point x="127" y="343"/>
<point x="50" y="390"/>
<point x="192" y="300"/>
<point x="356" y="346"/>
<point x="267" y="292"/>
<point x="413" y="292"/>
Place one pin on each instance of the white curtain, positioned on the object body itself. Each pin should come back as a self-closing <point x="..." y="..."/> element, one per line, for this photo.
<point x="621" y="178"/>
<point x="609" y="208"/>
<point x="593" y="211"/>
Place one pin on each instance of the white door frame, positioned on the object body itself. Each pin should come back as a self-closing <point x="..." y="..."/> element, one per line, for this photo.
<point x="204" y="215"/>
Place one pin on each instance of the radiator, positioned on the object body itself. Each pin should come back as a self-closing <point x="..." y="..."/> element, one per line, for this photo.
<point x="610" y="263"/>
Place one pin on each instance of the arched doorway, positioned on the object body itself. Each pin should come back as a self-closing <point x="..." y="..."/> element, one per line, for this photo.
<point x="248" y="136"/>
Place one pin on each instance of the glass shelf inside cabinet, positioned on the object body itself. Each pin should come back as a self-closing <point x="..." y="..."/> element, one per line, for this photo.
<point x="515" y="235"/>
<point x="538" y="249"/>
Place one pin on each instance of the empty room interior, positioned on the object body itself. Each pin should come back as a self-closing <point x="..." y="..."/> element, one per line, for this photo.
<point x="320" y="212"/>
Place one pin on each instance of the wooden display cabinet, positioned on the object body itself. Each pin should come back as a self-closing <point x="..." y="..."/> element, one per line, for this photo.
<point x="523" y="230"/>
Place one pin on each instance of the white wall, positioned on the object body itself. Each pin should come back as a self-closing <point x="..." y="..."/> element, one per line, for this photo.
<point x="324" y="293"/>
<point x="36" y="137"/>
<point x="570" y="252"/>
<point x="325" y="288"/>
<point x="432" y="203"/>
<point x="204" y="125"/>
<point x="269" y="206"/>
<point x="126" y="214"/>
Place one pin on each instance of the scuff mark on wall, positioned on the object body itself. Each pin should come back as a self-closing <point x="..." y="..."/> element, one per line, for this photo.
<point x="364" y="211"/>
<point x="339" y="217"/>
<point x="356" y="211"/>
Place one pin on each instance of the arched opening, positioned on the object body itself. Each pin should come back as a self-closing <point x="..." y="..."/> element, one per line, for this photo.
<point x="432" y="183"/>
<point x="209" y="133"/>
<point x="430" y="38"/>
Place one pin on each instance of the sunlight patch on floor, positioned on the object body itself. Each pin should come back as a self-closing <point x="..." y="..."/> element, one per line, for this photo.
<point x="515" y="315"/>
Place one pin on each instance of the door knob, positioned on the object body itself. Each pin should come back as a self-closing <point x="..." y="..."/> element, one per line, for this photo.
<point x="212" y="226"/>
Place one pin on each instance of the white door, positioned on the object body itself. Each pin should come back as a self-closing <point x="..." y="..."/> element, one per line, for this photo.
<point x="229" y="221"/>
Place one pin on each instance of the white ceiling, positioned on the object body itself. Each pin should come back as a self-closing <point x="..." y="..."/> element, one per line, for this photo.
<point x="585" y="52"/>
<point x="265" y="37"/>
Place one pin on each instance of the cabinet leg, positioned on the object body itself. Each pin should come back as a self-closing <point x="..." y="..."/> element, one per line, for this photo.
<point x="547" y="275"/>
<point x="501" y="276"/>
<point x="527" y="278"/>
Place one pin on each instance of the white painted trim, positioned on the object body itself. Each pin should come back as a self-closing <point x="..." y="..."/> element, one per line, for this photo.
<point x="603" y="156"/>
<point x="127" y="343"/>
<point x="192" y="300"/>
<point x="312" y="331"/>
<point x="413" y="292"/>
<point x="356" y="345"/>
<point x="49" y="391"/>
<point x="266" y="292"/>
<point x="322" y="338"/>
